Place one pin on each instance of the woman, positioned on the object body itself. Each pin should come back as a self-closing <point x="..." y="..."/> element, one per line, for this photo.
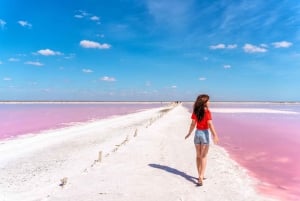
<point x="201" y="119"/>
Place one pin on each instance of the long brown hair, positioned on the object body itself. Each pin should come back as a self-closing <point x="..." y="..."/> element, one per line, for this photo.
<point x="200" y="105"/>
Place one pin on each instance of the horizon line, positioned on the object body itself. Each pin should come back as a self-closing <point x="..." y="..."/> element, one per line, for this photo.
<point x="120" y="101"/>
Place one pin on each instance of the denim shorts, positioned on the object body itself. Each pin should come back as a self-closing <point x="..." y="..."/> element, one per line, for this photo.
<point x="201" y="137"/>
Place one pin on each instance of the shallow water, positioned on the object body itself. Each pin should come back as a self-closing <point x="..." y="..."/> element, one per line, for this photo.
<point x="266" y="144"/>
<point x="21" y="119"/>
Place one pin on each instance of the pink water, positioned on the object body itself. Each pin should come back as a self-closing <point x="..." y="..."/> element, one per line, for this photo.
<point x="22" y="119"/>
<point x="268" y="145"/>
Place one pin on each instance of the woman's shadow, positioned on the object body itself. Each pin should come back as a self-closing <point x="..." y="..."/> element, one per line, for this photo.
<point x="175" y="171"/>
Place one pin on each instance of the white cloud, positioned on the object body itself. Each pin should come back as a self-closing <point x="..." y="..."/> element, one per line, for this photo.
<point x="92" y="44"/>
<point x="24" y="23"/>
<point x="223" y="46"/>
<point x="264" y="45"/>
<point x="7" y="79"/>
<point x="85" y="15"/>
<point x="108" y="79"/>
<point x="254" y="49"/>
<point x="87" y="70"/>
<point x="282" y="44"/>
<point x="227" y="66"/>
<point x="2" y="23"/>
<point x="202" y="78"/>
<point x="95" y="18"/>
<point x="34" y="63"/>
<point x="78" y="16"/>
<point x="48" y="52"/>
<point x="81" y="14"/>
<point x="219" y="46"/>
<point x="13" y="59"/>
<point x="174" y="87"/>
<point x="232" y="46"/>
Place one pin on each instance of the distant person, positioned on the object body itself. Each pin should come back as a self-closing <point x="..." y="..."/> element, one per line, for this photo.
<point x="202" y="120"/>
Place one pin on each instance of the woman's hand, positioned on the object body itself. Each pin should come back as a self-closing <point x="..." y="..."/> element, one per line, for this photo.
<point x="187" y="136"/>
<point x="216" y="139"/>
<point x="192" y="127"/>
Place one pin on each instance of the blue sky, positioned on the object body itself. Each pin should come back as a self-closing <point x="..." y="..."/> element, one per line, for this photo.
<point x="150" y="50"/>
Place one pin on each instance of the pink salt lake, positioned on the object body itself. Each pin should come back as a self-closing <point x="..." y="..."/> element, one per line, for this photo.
<point x="266" y="144"/>
<point x="32" y="118"/>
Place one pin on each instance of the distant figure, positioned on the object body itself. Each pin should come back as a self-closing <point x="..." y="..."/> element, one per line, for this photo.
<point x="202" y="120"/>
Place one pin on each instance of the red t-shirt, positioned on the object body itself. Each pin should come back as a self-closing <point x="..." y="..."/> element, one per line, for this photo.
<point x="202" y="125"/>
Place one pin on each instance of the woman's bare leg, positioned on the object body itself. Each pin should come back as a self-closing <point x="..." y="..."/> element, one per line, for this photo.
<point x="198" y="158"/>
<point x="203" y="161"/>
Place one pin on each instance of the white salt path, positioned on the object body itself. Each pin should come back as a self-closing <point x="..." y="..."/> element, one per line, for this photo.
<point x="144" y="157"/>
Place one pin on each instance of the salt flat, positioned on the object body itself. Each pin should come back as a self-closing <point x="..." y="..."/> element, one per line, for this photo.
<point x="143" y="157"/>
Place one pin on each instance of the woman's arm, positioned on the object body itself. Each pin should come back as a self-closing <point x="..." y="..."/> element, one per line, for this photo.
<point x="192" y="127"/>
<point x="213" y="131"/>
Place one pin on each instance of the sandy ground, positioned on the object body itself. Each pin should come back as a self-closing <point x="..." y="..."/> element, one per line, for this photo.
<point x="143" y="157"/>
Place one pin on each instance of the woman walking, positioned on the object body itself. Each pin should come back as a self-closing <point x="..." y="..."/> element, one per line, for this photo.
<point x="202" y="120"/>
